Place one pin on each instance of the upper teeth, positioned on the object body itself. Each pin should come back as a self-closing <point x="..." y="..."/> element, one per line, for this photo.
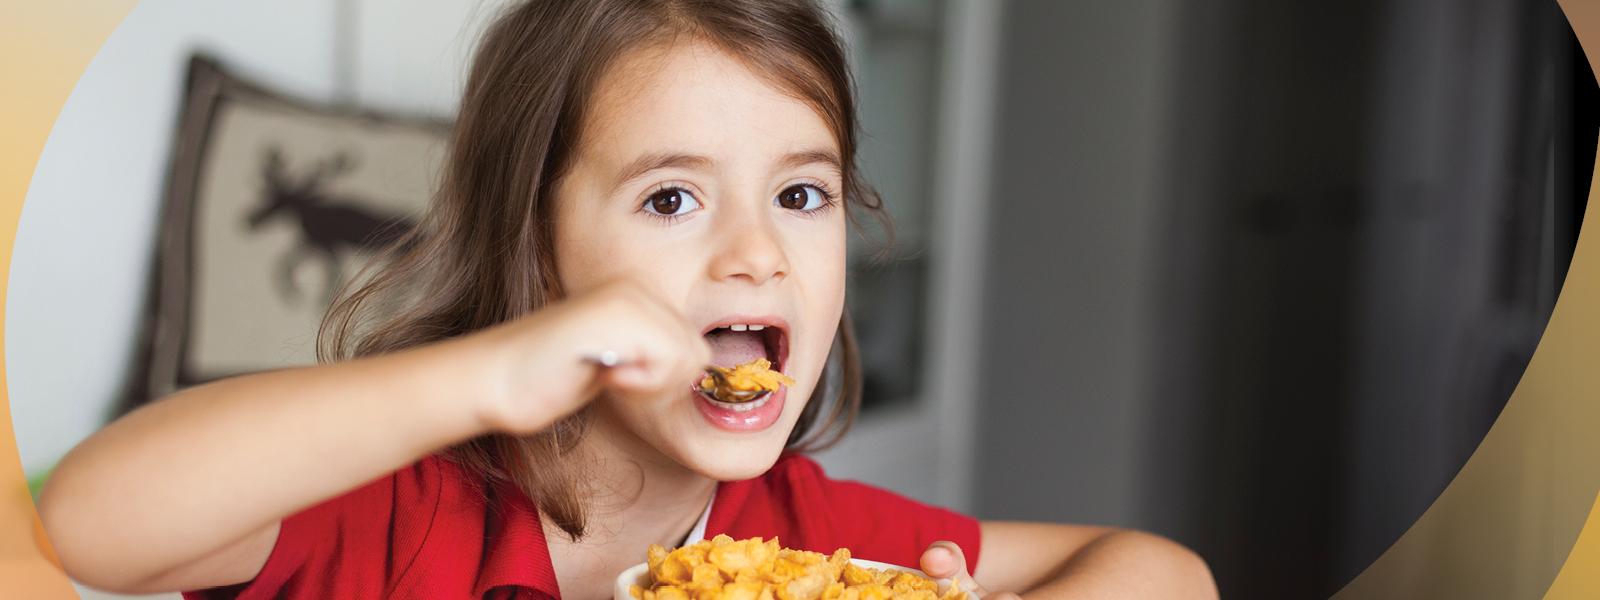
<point x="747" y="327"/>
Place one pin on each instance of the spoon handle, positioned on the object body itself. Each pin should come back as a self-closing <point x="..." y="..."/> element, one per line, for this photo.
<point x="605" y="358"/>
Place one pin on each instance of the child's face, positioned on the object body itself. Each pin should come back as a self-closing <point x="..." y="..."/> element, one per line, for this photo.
<point x="713" y="186"/>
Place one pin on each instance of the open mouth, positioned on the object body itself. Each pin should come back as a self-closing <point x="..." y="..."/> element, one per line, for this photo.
<point x="738" y="343"/>
<point x="741" y="341"/>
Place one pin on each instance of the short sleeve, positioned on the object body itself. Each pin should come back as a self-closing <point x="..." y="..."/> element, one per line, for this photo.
<point x="345" y="547"/>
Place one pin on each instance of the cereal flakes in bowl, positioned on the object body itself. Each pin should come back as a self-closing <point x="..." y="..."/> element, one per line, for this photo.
<point x="755" y="569"/>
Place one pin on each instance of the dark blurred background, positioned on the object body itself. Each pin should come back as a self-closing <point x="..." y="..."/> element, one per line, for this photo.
<point x="1307" y="248"/>
<point x="1252" y="274"/>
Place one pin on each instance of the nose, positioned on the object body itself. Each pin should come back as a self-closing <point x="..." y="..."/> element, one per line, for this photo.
<point x="750" y="249"/>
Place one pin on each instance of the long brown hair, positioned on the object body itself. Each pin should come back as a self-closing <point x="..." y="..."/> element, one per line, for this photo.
<point x="484" y="253"/>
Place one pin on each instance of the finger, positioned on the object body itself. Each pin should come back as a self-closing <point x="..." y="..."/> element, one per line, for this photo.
<point x="635" y="377"/>
<point x="640" y="369"/>
<point x="681" y="347"/>
<point x="699" y="354"/>
<point x="693" y="356"/>
<point x="691" y="350"/>
<point x="945" y="560"/>
<point x="652" y="372"/>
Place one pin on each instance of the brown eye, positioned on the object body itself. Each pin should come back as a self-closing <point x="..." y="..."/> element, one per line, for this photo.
<point x="801" y="197"/>
<point x="671" y="202"/>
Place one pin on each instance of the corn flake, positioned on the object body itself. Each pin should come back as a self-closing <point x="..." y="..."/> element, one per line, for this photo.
<point x="754" y="569"/>
<point x="754" y="376"/>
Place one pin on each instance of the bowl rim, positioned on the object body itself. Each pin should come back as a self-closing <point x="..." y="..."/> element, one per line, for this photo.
<point x="635" y="575"/>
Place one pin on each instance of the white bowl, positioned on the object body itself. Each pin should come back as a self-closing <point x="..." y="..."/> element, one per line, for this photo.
<point x="640" y="575"/>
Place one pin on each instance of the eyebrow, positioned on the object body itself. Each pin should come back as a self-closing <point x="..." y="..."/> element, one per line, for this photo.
<point x="795" y="160"/>
<point x="661" y="160"/>
<point x="677" y="160"/>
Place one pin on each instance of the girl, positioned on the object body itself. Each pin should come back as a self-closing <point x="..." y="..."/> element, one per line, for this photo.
<point x="661" y="182"/>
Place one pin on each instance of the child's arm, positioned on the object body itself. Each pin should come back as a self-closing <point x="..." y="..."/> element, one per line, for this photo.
<point x="188" y="492"/>
<point x="218" y="465"/>
<point x="1048" y="560"/>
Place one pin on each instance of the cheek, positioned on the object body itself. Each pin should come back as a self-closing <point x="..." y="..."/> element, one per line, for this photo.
<point x="594" y="245"/>
<point x="577" y="248"/>
<point x="833" y="257"/>
<point x="824" y="268"/>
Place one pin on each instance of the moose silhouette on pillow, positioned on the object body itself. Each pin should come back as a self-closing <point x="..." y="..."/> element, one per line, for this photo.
<point x="329" y="225"/>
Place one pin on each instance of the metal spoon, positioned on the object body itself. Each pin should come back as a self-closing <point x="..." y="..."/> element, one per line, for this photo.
<point x="722" y="391"/>
<point x="725" y="392"/>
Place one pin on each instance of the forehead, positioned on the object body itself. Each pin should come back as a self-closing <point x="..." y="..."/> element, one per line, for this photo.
<point x="692" y="96"/>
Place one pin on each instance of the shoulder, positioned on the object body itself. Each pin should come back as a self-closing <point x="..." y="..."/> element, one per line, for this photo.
<point x="796" y="501"/>
<point x="363" y="539"/>
<point x="401" y="503"/>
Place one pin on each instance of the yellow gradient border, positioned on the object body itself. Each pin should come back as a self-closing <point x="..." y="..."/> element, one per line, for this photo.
<point x="1507" y="523"/>
<point x="1580" y="574"/>
<point x="45" y="46"/>
<point x="1521" y="519"/>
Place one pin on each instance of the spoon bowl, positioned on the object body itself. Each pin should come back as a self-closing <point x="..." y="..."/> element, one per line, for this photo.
<point x="723" y="390"/>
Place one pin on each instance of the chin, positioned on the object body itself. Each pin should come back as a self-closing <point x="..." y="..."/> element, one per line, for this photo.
<point x="735" y="460"/>
<point x="744" y="449"/>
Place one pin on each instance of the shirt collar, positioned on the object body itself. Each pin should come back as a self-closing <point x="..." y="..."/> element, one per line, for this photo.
<point x="515" y="552"/>
<point x="698" y="532"/>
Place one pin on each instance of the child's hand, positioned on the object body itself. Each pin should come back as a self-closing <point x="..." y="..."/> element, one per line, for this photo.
<point x="944" y="560"/>
<point x="541" y="356"/>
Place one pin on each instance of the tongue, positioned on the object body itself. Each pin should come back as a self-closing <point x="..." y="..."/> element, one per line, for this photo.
<point x="730" y="348"/>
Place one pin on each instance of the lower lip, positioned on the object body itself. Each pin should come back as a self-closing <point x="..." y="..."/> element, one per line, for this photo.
<point x="756" y="419"/>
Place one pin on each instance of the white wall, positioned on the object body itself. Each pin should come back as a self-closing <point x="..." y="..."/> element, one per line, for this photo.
<point x="413" y="55"/>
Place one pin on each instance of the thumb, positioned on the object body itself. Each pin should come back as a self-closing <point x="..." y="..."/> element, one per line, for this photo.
<point x="945" y="560"/>
<point x="639" y="374"/>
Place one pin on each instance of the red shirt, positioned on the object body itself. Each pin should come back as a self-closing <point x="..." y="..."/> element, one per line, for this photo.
<point x="429" y="531"/>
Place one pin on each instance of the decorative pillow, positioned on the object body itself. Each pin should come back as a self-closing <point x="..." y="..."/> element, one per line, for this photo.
<point x="272" y="205"/>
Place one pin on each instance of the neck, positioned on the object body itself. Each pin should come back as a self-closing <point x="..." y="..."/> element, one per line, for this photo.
<point x="638" y="497"/>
